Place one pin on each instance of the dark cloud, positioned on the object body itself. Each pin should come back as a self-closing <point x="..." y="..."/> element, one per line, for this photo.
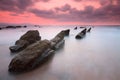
<point x="17" y="5"/>
<point x="66" y="7"/>
<point x="43" y="13"/>
<point x="107" y="13"/>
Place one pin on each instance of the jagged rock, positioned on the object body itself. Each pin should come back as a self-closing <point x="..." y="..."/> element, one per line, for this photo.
<point x="28" y="38"/>
<point x="81" y="34"/>
<point x="58" y="40"/>
<point x="31" y="57"/>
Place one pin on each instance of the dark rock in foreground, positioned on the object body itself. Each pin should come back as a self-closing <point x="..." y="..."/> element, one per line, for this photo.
<point x="58" y="40"/>
<point x="36" y="53"/>
<point x="32" y="56"/>
<point x="28" y="38"/>
<point x="81" y="34"/>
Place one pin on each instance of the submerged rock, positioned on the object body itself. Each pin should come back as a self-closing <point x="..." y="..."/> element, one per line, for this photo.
<point x="81" y="34"/>
<point x="31" y="57"/>
<point x="58" y="40"/>
<point x="28" y="38"/>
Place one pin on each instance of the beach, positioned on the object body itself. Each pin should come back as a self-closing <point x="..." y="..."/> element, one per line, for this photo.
<point x="95" y="57"/>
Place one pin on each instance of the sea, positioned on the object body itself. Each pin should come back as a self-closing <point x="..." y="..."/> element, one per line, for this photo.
<point x="94" y="57"/>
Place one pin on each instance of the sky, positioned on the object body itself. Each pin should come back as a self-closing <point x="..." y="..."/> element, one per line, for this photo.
<point x="55" y="12"/>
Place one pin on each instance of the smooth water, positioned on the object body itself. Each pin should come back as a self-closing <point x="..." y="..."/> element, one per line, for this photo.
<point x="95" y="57"/>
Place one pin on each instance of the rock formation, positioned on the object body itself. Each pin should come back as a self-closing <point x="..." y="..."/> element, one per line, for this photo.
<point x="36" y="53"/>
<point x="30" y="57"/>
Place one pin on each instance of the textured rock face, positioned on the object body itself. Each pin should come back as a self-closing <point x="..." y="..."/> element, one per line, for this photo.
<point x="81" y="34"/>
<point x="58" y="40"/>
<point x="28" y="38"/>
<point x="31" y="56"/>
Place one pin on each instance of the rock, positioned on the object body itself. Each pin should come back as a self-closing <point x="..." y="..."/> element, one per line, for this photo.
<point x="81" y="34"/>
<point x="31" y="57"/>
<point x="28" y="38"/>
<point x="75" y="28"/>
<point x="10" y="27"/>
<point x="66" y="32"/>
<point x="24" y="26"/>
<point x="18" y="26"/>
<point x="0" y="28"/>
<point x="82" y="27"/>
<point x="58" y="40"/>
<point x="89" y="29"/>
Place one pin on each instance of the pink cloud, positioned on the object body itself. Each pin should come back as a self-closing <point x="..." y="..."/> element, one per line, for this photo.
<point x="107" y="12"/>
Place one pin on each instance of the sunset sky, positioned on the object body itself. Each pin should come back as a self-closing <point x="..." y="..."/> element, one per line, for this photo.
<point x="93" y="12"/>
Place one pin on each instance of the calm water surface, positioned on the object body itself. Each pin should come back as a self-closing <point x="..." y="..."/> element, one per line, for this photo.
<point x="95" y="57"/>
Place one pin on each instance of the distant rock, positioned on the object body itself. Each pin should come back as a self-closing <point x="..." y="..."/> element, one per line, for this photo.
<point x="31" y="57"/>
<point x="81" y="34"/>
<point x="10" y="27"/>
<point x="75" y="28"/>
<point x="24" y="26"/>
<point x="0" y="28"/>
<point x="58" y="40"/>
<point x="28" y="38"/>
<point x="89" y="29"/>
<point x="82" y="27"/>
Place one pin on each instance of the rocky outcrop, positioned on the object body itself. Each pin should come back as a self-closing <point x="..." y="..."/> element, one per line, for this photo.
<point x="31" y="57"/>
<point x="28" y="38"/>
<point x="36" y="53"/>
<point x="58" y="40"/>
<point x="81" y="34"/>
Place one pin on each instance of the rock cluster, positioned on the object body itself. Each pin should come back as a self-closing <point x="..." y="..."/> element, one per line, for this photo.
<point x="36" y="53"/>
